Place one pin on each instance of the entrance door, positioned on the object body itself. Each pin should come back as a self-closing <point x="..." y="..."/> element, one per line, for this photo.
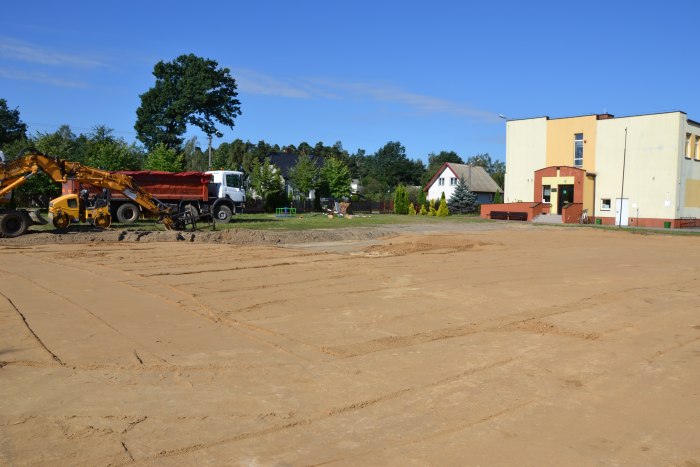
<point x="622" y="211"/>
<point x="565" y="196"/>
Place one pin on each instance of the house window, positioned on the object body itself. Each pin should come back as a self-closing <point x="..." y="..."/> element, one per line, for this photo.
<point x="453" y="181"/>
<point x="441" y="181"/>
<point x="687" y="146"/>
<point x="546" y="193"/>
<point x="605" y="204"/>
<point x="697" y="148"/>
<point x="578" y="149"/>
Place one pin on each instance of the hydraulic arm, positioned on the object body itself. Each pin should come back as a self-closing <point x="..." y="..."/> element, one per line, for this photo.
<point x="15" y="173"/>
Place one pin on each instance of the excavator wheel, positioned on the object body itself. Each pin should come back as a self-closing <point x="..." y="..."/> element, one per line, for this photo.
<point x="61" y="221"/>
<point x="103" y="221"/>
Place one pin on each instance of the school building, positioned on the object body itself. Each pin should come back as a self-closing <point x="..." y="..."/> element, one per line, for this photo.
<point x="641" y="170"/>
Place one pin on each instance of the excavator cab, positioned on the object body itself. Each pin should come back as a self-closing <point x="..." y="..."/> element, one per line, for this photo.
<point x="83" y="207"/>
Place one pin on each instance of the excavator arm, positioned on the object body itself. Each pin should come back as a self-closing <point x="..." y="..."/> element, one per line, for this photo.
<point x="15" y="173"/>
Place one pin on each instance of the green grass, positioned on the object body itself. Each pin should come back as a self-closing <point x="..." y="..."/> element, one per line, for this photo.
<point x="312" y="221"/>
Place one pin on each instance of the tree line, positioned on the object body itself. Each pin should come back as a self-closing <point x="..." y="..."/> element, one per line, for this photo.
<point x="195" y="92"/>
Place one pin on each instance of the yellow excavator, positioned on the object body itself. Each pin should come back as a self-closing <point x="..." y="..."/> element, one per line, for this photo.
<point x="72" y="207"/>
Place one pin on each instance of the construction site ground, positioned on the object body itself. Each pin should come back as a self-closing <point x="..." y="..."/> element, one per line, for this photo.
<point x="463" y="344"/>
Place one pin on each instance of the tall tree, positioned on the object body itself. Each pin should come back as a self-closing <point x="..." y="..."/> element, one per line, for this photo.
<point x="11" y="127"/>
<point x="390" y="166"/>
<point x="190" y="90"/>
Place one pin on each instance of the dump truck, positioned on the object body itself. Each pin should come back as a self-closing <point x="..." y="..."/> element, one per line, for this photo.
<point x="70" y="207"/>
<point x="217" y="193"/>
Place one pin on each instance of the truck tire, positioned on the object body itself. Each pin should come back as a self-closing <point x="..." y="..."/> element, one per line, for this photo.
<point x="128" y="213"/>
<point x="223" y="214"/>
<point x="13" y="224"/>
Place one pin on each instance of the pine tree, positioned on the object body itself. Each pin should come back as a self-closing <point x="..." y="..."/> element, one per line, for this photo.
<point x="431" y="210"/>
<point x="411" y="209"/>
<point x="462" y="200"/>
<point x="423" y="212"/>
<point x="442" y="210"/>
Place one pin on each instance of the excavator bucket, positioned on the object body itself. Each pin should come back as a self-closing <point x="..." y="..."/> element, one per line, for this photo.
<point x="36" y="218"/>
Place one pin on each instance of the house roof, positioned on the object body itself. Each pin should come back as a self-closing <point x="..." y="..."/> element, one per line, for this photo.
<point x="285" y="161"/>
<point x="476" y="177"/>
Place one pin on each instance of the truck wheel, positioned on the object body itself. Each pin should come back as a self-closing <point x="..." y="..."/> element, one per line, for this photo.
<point x="223" y="214"/>
<point x="128" y="213"/>
<point x="13" y="224"/>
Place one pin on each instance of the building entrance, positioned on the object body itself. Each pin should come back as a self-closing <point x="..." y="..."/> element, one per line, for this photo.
<point x="565" y="196"/>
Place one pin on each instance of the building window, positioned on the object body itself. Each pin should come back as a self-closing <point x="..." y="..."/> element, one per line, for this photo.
<point x="578" y="150"/>
<point x="687" y="146"/>
<point x="546" y="193"/>
<point x="697" y="148"/>
<point x="453" y="181"/>
<point x="605" y="204"/>
<point x="441" y="181"/>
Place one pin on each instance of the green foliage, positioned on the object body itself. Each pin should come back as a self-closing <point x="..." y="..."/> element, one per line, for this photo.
<point x="195" y="159"/>
<point x="423" y="211"/>
<point x="337" y="176"/>
<point x="104" y="151"/>
<point x="190" y="90"/>
<point x="164" y="158"/>
<point x="62" y="143"/>
<point x="462" y="200"/>
<point x="422" y="200"/>
<point x="401" y="200"/>
<point x="442" y="210"/>
<point x="498" y="198"/>
<point x="265" y="180"/>
<point x="389" y="167"/>
<point x="431" y="209"/>
<point x="304" y="175"/>
<point x="11" y="126"/>
<point x="411" y="209"/>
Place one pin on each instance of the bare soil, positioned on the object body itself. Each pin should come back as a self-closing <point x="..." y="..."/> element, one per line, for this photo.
<point x="478" y="344"/>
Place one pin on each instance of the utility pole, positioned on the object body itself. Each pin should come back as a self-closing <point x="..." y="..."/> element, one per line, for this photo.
<point x="622" y="189"/>
<point x="209" y="152"/>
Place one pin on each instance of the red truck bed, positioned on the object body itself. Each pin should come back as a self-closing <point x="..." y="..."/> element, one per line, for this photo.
<point x="169" y="185"/>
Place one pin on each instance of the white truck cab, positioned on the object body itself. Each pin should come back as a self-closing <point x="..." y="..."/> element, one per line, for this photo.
<point x="228" y="184"/>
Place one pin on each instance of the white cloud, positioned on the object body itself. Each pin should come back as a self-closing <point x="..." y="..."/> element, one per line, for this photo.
<point x="258" y="83"/>
<point x="22" y="51"/>
<point x="39" y="77"/>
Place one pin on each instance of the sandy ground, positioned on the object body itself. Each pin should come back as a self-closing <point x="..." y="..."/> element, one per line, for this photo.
<point x="484" y="344"/>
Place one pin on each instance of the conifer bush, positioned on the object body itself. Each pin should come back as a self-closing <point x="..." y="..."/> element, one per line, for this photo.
<point x="431" y="209"/>
<point x="411" y="209"/>
<point x="462" y="200"/>
<point x="442" y="210"/>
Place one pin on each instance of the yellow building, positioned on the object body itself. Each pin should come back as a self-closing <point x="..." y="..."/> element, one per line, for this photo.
<point x="641" y="170"/>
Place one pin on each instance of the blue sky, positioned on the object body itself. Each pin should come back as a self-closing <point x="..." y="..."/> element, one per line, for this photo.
<point x="432" y="75"/>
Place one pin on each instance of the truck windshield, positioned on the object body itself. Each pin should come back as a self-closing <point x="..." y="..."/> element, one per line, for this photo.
<point x="233" y="180"/>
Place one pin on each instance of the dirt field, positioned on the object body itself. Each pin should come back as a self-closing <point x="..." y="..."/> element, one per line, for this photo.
<point x="480" y="344"/>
